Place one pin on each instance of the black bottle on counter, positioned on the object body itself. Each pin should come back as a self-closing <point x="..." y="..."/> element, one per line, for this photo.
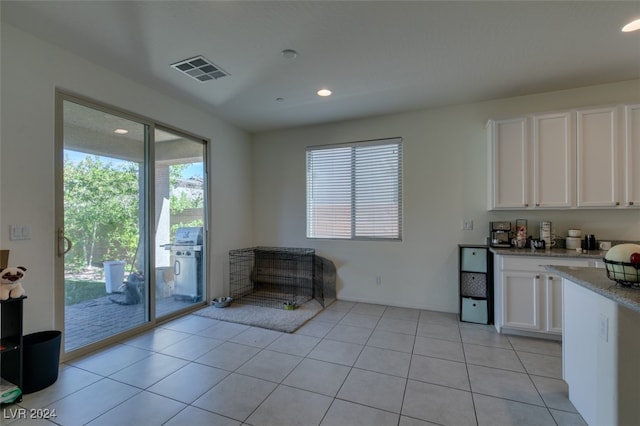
<point x="590" y="242"/>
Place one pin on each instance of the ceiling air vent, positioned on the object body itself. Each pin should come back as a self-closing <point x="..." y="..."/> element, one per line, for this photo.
<point x="200" y="68"/>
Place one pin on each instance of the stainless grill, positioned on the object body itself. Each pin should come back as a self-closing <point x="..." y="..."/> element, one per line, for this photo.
<point x="187" y="265"/>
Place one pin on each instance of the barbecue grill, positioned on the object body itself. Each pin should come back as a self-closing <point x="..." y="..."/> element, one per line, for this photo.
<point x="187" y="266"/>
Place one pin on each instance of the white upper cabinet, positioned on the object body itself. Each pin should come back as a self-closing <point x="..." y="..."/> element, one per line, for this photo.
<point x="553" y="160"/>
<point x="587" y="158"/>
<point x="509" y="164"/>
<point x="598" y="168"/>
<point x="632" y="155"/>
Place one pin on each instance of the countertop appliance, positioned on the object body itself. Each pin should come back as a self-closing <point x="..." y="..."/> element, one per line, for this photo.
<point x="499" y="234"/>
<point x="187" y="266"/>
<point x="546" y="233"/>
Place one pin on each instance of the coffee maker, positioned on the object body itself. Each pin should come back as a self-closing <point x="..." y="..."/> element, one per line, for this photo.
<point x="500" y="234"/>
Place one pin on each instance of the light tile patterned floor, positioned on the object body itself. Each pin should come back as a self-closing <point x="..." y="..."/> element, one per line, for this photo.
<point x="354" y="364"/>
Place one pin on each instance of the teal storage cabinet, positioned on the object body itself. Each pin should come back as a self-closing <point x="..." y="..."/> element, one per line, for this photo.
<point x="473" y="259"/>
<point x="476" y="284"/>
<point x="474" y="310"/>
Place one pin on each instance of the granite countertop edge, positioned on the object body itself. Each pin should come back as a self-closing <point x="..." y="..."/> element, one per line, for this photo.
<point x="594" y="254"/>
<point x="596" y="280"/>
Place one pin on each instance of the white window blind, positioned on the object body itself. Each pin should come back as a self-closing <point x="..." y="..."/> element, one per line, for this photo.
<point x="354" y="191"/>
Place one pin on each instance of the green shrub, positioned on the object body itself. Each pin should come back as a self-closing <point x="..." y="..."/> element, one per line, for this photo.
<point x="80" y="291"/>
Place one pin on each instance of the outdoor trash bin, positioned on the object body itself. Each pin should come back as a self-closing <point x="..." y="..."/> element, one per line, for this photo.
<point x="113" y="275"/>
<point x="40" y="359"/>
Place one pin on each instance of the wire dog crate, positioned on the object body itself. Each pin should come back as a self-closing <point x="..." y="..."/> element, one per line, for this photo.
<point x="273" y="276"/>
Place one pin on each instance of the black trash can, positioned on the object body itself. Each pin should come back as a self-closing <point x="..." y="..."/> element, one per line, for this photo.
<point x="41" y="356"/>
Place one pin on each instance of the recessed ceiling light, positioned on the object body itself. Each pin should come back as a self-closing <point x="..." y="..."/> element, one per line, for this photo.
<point x="324" y="92"/>
<point x="121" y="131"/>
<point x="289" y="54"/>
<point x="632" y="26"/>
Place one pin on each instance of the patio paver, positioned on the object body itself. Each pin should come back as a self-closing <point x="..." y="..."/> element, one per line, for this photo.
<point x="93" y="320"/>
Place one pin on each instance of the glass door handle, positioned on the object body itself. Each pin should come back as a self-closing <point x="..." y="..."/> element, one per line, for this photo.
<point x="62" y="242"/>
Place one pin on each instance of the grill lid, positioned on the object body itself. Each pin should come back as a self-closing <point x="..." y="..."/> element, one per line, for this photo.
<point x="188" y="236"/>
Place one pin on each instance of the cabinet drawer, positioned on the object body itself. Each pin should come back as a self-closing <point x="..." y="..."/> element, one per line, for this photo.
<point x="474" y="310"/>
<point x="473" y="284"/>
<point x="473" y="259"/>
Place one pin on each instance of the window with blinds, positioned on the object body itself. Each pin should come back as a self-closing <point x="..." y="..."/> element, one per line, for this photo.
<point x="354" y="190"/>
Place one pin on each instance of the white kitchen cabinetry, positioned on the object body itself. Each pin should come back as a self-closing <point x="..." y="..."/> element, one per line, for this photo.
<point x="632" y="155"/>
<point x="598" y="169"/>
<point x="553" y="298"/>
<point x="532" y="301"/>
<point x="521" y="300"/>
<point x="509" y="163"/>
<point x="528" y="299"/>
<point x="586" y="158"/>
<point x="539" y="174"/>
<point x="553" y="160"/>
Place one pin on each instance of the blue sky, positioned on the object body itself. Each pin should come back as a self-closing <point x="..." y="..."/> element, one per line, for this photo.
<point x="195" y="169"/>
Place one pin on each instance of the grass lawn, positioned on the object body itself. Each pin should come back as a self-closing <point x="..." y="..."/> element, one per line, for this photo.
<point x="77" y="291"/>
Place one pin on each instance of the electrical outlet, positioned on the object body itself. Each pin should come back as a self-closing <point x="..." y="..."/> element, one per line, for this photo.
<point x="603" y="327"/>
<point x="378" y="280"/>
<point x="467" y="225"/>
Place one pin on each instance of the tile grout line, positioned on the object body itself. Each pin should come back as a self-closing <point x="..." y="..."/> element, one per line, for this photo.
<point x="351" y="368"/>
<point x="466" y="366"/>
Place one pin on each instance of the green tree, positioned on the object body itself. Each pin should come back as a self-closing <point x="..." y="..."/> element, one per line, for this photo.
<point x="101" y="210"/>
<point x="181" y="201"/>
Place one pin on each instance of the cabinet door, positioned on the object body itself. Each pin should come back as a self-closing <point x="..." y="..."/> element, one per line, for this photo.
<point x="632" y="155"/>
<point x="553" y="292"/>
<point x="509" y="151"/>
<point x="553" y="160"/>
<point x="521" y="300"/>
<point x="597" y="155"/>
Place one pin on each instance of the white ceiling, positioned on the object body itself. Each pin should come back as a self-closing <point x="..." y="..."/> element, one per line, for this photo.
<point x="378" y="57"/>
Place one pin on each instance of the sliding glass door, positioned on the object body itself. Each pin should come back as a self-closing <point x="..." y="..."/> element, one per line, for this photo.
<point x="180" y="194"/>
<point x="128" y="188"/>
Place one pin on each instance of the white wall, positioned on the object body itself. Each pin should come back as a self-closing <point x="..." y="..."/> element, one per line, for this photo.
<point x="445" y="182"/>
<point x="445" y="179"/>
<point x="31" y="70"/>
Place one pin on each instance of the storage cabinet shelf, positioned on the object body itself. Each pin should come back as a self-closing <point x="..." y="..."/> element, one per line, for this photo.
<point x="7" y="345"/>
<point x="476" y="284"/>
<point x="11" y="341"/>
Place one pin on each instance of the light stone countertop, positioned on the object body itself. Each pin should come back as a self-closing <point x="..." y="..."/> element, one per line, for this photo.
<point x="595" y="279"/>
<point x="594" y="254"/>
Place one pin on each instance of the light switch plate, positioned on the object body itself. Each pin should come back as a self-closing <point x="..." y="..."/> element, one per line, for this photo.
<point x="19" y="232"/>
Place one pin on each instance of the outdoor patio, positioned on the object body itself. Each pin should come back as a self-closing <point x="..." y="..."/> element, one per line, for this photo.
<point x="92" y="320"/>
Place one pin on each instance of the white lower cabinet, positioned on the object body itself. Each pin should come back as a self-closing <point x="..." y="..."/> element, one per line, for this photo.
<point x="528" y="299"/>
<point x="521" y="300"/>
<point x="553" y="299"/>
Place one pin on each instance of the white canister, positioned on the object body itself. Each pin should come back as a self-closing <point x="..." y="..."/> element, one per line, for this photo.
<point x="574" y="233"/>
<point x="573" y="243"/>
